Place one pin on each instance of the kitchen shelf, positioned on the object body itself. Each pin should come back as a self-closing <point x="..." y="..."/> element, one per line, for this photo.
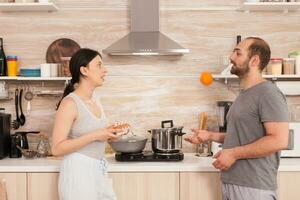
<point x="270" y="6"/>
<point x="19" y="78"/>
<point x="292" y="77"/>
<point x="17" y="7"/>
<point x="5" y="98"/>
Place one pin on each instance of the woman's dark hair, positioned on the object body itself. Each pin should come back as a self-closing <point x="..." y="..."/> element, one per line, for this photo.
<point x="80" y="59"/>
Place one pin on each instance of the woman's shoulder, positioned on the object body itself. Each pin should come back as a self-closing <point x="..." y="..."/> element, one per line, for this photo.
<point x="68" y="104"/>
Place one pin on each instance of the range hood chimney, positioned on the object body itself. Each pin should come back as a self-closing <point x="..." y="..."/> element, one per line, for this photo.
<point x="145" y="37"/>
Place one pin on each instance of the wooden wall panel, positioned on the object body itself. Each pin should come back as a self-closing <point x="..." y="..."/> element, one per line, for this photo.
<point x="146" y="90"/>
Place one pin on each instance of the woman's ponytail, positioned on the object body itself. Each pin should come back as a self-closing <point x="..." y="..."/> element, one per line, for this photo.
<point x="68" y="89"/>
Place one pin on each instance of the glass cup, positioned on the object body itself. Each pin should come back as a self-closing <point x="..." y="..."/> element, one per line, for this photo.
<point x="295" y="112"/>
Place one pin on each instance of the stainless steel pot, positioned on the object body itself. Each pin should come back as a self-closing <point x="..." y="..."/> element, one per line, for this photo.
<point x="132" y="144"/>
<point x="167" y="140"/>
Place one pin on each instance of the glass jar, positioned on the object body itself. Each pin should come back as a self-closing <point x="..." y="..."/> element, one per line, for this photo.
<point x="269" y="68"/>
<point x="296" y="55"/>
<point x="295" y="111"/>
<point x="43" y="147"/>
<point x="275" y="67"/>
<point x="3" y="90"/>
<point x="289" y="65"/>
<point x="12" y="65"/>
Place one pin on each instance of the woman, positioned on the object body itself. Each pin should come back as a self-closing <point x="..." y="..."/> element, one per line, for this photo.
<point x="80" y="131"/>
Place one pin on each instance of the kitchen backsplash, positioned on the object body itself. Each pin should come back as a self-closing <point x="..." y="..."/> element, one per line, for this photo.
<point x="146" y="90"/>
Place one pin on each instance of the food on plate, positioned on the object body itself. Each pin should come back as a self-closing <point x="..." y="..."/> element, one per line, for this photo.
<point x="121" y="126"/>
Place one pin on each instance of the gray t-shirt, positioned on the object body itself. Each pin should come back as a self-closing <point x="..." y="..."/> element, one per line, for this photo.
<point x="263" y="102"/>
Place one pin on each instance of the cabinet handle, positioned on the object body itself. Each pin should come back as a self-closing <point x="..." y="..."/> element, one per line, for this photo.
<point x="3" y="186"/>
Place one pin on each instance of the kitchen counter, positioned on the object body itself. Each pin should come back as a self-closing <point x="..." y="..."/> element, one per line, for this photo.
<point x="190" y="163"/>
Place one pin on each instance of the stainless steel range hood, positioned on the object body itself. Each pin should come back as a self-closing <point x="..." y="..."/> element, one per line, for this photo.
<point x="145" y="37"/>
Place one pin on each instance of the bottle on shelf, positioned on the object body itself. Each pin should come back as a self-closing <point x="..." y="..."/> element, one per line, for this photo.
<point x="3" y="64"/>
<point x="238" y="39"/>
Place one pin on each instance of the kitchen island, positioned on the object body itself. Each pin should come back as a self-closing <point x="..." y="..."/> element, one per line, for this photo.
<point x="192" y="178"/>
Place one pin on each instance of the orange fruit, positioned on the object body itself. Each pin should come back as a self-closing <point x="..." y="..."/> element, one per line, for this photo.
<point x="206" y="78"/>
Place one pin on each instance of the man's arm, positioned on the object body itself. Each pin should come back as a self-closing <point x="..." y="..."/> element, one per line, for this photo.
<point x="217" y="137"/>
<point x="276" y="139"/>
<point x="201" y="136"/>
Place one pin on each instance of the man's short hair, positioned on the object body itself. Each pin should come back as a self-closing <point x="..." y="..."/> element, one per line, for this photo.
<point x="262" y="49"/>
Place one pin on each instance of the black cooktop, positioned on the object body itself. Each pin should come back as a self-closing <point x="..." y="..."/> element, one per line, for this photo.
<point x="148" y="156"/>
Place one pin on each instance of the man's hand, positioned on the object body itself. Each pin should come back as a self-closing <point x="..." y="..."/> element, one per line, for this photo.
<point x="224" y="159"/>
<point x="192" y="138"/>
<point x="202" y="135"/>
<point x="199" y="136"/>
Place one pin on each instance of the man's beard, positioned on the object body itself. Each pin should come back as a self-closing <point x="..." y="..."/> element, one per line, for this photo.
<point x="240" y="71"/>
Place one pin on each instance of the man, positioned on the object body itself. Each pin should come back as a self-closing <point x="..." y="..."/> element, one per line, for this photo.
<point x="257" y="129"/>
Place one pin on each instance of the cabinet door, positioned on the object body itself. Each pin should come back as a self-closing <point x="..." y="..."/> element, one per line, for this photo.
<point x="42" y="186"/>
<point x="200" y="186"/>
<point x="288" y="185"/>
<point x="146" y="186"/>
<point x="15" y="185"/>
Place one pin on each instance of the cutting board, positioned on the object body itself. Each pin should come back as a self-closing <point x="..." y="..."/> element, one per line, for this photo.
<point x="202" y="121"/>
<point x="60" y="51"/>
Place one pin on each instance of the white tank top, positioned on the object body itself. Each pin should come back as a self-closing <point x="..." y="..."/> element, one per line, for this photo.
<point x="86" y="122"/>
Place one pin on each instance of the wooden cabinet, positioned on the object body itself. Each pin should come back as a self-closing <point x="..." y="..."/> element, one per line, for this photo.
<point x="200" y="186"/>
<point x="289" y="185"/>
<point x="133" y="186"/>
<point x="42" y="186"/>
<point x="146" y="186"/>
<point x="15" y="185"/>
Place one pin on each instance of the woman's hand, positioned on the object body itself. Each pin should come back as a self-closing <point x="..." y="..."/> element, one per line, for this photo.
<point x="108" y="133"/>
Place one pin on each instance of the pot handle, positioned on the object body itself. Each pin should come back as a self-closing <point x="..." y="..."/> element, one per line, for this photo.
<point x="26" y="132"/>
<point x="180" y="134"/>
<point x="167" y="122"/>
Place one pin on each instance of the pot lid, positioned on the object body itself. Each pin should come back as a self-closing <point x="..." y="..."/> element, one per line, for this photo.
<point x="166" y="129"/>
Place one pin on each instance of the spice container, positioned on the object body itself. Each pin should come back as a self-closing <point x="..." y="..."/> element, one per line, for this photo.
<point x="268" y="69"/>
<point x="12" y="65"/>
<point x="296" y="55"/>
<point x="289" y="65"/>
<point x="275" y="66"/>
